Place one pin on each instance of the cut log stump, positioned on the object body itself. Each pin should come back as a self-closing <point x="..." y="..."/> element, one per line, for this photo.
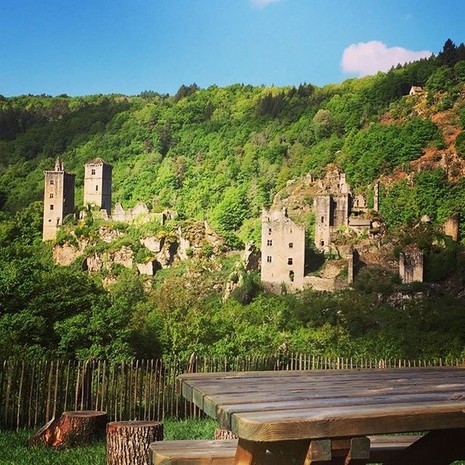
<point x="128" y="441"/>
<point x="72" y="428"/>
<point x="223" y="433"/>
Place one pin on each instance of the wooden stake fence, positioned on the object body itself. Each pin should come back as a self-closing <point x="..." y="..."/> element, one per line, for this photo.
<point x="33" y="392"/>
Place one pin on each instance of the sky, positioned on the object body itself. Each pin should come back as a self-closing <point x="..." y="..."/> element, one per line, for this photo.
<point x="85" y="47"/>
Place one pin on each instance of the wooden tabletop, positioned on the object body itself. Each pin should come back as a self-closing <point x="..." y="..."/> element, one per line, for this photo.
<point x="291" y="405"/>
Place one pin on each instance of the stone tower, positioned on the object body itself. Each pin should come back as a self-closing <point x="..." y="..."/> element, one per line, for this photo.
<point x="331" y="211"/>
<point x="97" y="184"/>
<point x="58" y="199"/>
<point x="324" y="221"/>
<point x="283" y="252"/>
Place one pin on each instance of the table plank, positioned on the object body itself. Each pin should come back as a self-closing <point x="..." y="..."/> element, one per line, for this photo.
<point x="198" y="385"/>
<point x="224" y="411"/>
<point x="314" y="403"/>
<point x="345" y="421"/>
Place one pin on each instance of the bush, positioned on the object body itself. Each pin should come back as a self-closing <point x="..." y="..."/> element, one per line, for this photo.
<point x="249" y="289"/>
<point x="460" y="144"/>
<point x="65" y="237"/>
<point x="440" y="262"/>
<point x="369" y="280"/>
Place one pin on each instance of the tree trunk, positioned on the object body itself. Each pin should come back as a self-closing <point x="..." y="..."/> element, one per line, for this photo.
<point x="72" y="428"/>
<point x="128" y="441"/>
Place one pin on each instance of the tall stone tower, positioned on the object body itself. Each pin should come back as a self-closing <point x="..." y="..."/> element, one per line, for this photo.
<point x="331" y="211"/>
<point x="58" y="199"/>
<point x="283" y="252"/>
<point x="97" y="184"/>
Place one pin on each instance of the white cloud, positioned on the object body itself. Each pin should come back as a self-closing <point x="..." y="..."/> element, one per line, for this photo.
<point x="264" y="3"/>
<point x="370" y="57"/>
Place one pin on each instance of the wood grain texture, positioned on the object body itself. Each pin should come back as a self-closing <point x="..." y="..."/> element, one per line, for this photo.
<point x="71" y="429"/>
<point x="196" y="452"/>
<point x="292" y="405"/>
<point x="128" y="441"/>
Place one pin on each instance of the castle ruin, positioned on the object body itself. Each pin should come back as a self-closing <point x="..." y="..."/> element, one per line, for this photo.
<point x="336" y="206"/>
<point x="283" y="242"/>
<point x="59" y="198"/>
<point x="59" y="187"/>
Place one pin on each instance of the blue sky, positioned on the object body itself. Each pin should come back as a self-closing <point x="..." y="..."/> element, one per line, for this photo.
<point x="82" y="47"/>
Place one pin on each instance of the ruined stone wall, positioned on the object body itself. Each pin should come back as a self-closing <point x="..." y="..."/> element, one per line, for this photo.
<point x="451" y="227"/>
<point x="411" y="266"/>
<point x="138" y="214"/>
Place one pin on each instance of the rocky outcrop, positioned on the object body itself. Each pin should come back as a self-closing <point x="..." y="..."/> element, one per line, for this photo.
<point x="105" y="260"/>
<point x="124" y="256"/>
<point x="189" y="240"/>
<point x="94" y="263"/>
<point x="67" y="253"/>
<point x="109" y="235"/>
<point x="235" y="280"/>
<point x="251" y="258"/>
<point x="152" y="243"/>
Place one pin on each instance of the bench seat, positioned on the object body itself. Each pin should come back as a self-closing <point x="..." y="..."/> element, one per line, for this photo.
<point x="223" y="451"/>
<point x="384" y="448"/>
<point x="196" y="452"/>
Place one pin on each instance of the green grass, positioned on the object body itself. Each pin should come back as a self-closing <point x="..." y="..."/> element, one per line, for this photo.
<point x="189" y="429"/>
<point x="15" y="451"/>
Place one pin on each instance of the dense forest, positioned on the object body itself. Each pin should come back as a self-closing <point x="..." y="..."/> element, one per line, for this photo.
<point x="221" y="155"/>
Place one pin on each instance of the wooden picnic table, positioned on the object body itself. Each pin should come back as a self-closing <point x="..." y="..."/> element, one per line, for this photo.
<point x="330" y="416"/>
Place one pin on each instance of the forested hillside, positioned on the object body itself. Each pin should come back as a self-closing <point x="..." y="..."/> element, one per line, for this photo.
<point x="221" y="154"/>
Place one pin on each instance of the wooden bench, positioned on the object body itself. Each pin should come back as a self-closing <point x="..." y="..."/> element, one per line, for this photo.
<point x="196" y="452"/>
<point x="223" y="451"/>
<point x="384" y="448"/>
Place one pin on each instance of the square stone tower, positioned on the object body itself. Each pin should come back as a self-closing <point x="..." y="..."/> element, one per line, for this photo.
<point x="97" y="184"/>
<point x="283" y="252"/>
<point x="58" y="199"/>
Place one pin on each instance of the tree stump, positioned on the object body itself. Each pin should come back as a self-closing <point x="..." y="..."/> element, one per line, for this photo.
<point x="223" y="433"/>
<point x="72" y="428"/>
<point x="128" y="441"/>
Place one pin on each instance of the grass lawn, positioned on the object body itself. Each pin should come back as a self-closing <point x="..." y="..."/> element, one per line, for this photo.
<point x="14" y="450"/>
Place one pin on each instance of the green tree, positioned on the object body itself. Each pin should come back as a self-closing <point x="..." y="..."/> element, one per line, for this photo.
<point x="323" y="124"/>
<point x="231" y="211"/>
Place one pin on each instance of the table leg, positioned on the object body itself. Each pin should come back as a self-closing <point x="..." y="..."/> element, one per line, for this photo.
<point x="250" y="453"/>
<point x="339" y="451"/>
<point x="281" y="452"/>
<point x="353" y="451"/>
<point x="295" y="452"/>
<point x="440" y="447"/>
